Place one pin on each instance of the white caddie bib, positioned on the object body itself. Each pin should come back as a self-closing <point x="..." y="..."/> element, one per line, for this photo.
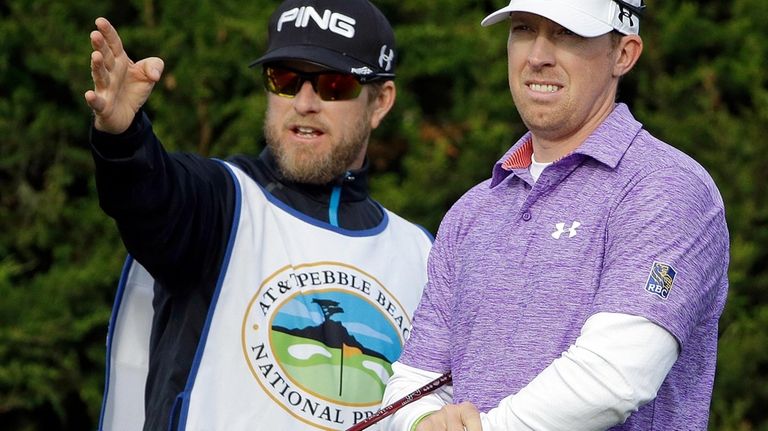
<point x="304" y="324"/>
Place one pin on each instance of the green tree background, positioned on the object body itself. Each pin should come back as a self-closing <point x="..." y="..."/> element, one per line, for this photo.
<point x="701" y="85"/>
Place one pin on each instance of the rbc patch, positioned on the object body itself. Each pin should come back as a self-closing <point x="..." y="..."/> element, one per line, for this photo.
<point x="660" y="279"/>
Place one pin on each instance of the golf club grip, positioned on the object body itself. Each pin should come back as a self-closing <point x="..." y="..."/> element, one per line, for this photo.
<point x="402" y="402"/>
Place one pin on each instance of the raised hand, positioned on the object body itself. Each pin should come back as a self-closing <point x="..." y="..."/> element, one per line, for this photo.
<point x="120" y="86"/>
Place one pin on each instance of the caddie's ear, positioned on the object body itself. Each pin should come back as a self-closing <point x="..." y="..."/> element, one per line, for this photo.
<point x="627" y="53"/>
<point x="383" y="103"/>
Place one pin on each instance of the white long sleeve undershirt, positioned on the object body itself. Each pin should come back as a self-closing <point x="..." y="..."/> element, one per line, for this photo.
<point x="615" y="366"/>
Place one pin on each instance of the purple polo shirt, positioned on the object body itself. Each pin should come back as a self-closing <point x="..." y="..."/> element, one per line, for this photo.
<point x="624" y="224"/>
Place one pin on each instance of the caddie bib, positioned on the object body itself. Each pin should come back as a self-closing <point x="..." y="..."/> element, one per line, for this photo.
<point x="303" y="327"/>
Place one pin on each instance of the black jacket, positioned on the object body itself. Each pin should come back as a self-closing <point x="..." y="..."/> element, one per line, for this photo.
<point x="174" y="212"/>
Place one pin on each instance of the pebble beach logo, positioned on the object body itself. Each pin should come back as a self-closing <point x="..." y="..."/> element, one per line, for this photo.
<point x="320" y="339"/>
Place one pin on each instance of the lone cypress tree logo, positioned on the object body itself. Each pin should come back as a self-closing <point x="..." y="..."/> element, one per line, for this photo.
<point x="328" y="341"/>
<point x="320" y="340"/>
<point x="329" y="308"/>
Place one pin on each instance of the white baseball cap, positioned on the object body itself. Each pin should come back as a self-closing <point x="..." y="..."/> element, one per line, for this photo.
<point x="588" y="18"/>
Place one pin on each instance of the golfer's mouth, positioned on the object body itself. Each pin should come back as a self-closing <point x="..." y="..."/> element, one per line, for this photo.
<point x="544" y="88"/>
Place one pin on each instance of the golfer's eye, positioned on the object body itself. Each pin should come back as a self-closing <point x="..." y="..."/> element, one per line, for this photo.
<point x="520" y="28"/>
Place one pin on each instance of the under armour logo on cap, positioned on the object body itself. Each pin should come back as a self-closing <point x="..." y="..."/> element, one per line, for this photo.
<point x="625" y="13"/>
<point x="627" y="18"/>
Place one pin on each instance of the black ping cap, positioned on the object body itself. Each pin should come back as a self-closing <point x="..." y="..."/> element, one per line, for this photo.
<point x="350" y="36"/>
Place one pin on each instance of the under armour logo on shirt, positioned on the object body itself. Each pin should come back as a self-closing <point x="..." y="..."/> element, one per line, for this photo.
<point x="561" y="229"/>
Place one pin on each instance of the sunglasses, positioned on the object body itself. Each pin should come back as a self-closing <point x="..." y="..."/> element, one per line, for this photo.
<point x="327" y="84"/>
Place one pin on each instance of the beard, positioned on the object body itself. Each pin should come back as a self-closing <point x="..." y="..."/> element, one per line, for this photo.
<point x="311" y="165"/>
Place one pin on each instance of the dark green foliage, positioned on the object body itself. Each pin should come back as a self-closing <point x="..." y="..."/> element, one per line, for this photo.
<point x="701" y="85"/>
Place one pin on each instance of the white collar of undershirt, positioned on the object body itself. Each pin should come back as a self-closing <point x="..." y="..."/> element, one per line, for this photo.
<point x="537" y="168"/>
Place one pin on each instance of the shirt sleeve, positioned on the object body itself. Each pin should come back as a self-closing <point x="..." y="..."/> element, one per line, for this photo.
<point x="428" y="346"/>
<point x="405" y="380"/>
<point x="173" y="211"/>
<point x="667" y="252"/>
<point x="615" y="366"/>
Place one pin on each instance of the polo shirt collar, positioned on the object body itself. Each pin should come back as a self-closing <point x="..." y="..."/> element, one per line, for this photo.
<point x="607" y="144"/>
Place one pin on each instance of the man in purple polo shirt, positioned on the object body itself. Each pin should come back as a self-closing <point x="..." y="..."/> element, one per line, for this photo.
<point x="580" y="287"/>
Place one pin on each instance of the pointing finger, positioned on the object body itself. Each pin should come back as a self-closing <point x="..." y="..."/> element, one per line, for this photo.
<point x="111" y="37"/>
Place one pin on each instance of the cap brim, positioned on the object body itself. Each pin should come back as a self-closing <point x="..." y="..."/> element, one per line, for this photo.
<point x="313" y="54"/>
<point x="559" y="12"/>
